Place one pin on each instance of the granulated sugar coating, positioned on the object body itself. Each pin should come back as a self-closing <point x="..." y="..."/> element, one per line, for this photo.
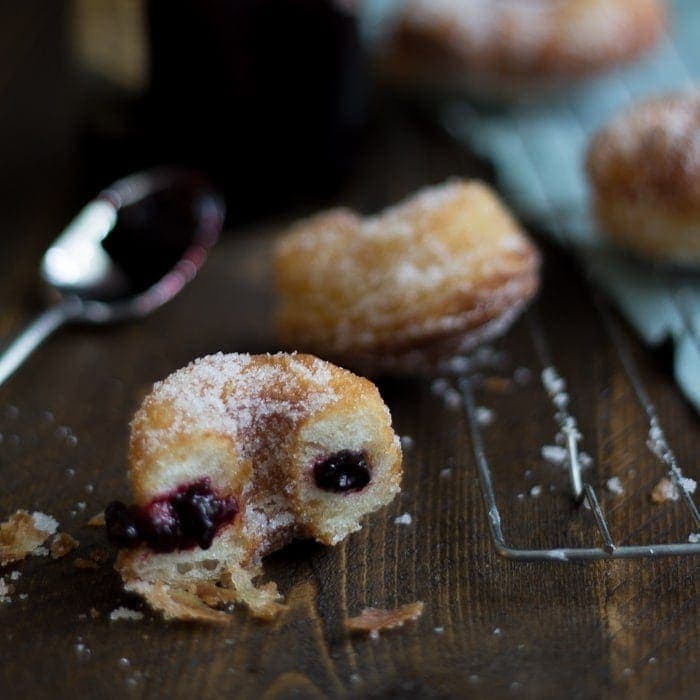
<point x="230" y="394"/>
<point x="416" y="285"/>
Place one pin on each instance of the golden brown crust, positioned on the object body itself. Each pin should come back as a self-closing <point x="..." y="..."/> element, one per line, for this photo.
<point x="652" y="152"/>
<point x="513" y="44"/>
<point x="62" y="544"/>
<point x="644" y="169"/>
<point x="438" y="266"/>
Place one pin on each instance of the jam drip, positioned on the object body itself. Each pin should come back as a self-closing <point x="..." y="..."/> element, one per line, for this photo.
<point x="189" y="517"/>
<point x="343" y="471"/>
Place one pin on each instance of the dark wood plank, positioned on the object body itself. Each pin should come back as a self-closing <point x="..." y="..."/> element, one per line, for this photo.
<point x="509" y="629"/>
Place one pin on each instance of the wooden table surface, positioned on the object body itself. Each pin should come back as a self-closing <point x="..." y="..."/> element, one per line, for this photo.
<point x="491" y="628"/>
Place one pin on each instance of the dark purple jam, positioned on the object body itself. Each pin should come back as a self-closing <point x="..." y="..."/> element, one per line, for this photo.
<point x="343" y="471"/>
<point x="189" y="517"/>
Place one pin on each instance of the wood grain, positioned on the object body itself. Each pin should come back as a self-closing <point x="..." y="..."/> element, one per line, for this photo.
<point x="607" y="629"/>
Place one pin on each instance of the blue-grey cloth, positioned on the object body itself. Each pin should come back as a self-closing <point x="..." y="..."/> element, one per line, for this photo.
<point x="538" y="152"/>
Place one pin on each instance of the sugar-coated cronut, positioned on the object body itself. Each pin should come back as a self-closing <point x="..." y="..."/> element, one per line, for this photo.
<point x="408" y="288"/>
<point x="505" y="49"/>
<point x="644" y="169"/>
<point x="234" y="456"/>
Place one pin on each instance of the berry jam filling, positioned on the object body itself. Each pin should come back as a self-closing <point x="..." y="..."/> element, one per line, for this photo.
<point x="343" y="471"/>
<point x="189" y="517"/>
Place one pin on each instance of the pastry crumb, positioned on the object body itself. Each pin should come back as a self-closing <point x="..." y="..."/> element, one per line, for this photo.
<point x="500" y="385"/>
<point x="61" y="544"/>
<point x="176" y="603"/>
<point x="23" y="534"/>
<point x="666" y="490"/>
<point x="199" y="602"/>
<point x="94" y="613"/>
<point x="484" y="416"/>
<point x="122" y="613"/>
<point x="97" y="520"/>
<point x="375" y="620"/>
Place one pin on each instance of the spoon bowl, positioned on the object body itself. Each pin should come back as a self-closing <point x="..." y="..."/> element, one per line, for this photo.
<point x="128" y="252"/>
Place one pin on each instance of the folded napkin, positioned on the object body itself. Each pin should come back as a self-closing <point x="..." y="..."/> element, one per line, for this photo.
<point x="539" y="151"/>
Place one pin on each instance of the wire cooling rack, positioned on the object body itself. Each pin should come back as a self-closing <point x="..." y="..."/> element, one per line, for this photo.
<point x="554" y="388"/>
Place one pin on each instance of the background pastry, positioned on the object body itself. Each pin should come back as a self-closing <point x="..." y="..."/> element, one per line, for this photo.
<point x="235" y="455"/>
<point x="644" y="169"/>
<point x="420" y="282"/>
<point x="503" y="49"/>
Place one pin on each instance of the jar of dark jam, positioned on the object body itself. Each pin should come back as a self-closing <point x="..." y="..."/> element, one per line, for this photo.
<point x="264" y="95"/>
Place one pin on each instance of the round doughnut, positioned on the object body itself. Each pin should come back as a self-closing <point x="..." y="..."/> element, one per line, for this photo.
<point x="235" y="455"/>
<point x="408" y="288"/>
<point x="505" y="49"/>
<point x="644" y="170"/>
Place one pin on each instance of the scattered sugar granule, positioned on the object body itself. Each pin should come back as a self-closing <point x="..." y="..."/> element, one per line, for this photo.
<point x="484" y="416"/>
<point x="5" y="590"/>
<point x="694" y="537"/>
<point x="439" y="386"/>
<point x="535" y="491"/>
<point x="406" y="442"/>
<point x="438" y="630"/>
<point x="45" y="523"/>
<point x="404" y="519"/>
<point x="689" y="484"/>
<point x="615" y="485"/>
<point x="452" y="398"/>
<point x="14" y="575"/>
<point x="122" y="613"/>
<point x="81" y="505"/>
<point x="553" y="383"/>
<point x="459" y="364"/>
<point x="445" y="473"/>
<point x="585" y="460"/>
<point x="40" y="552"/>
<point x="554" y="454"/>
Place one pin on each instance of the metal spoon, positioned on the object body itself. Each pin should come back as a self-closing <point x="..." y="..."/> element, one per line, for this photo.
<point x="129" y="251"/>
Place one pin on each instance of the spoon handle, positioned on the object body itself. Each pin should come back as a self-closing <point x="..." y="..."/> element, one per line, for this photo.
<point x="34" y="334"/>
